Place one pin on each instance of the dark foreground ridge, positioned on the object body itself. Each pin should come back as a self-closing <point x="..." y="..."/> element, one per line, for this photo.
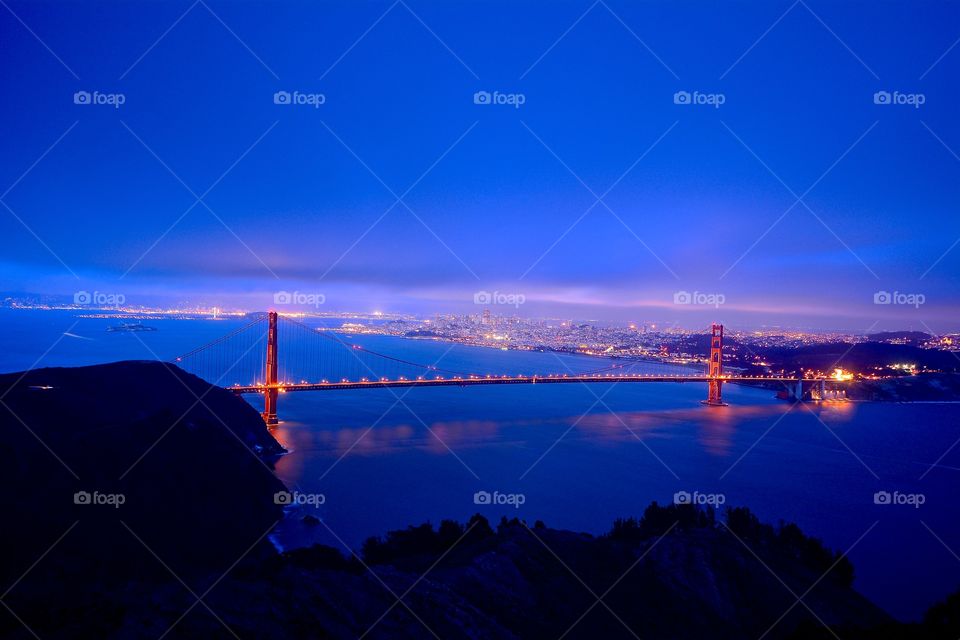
<point x="181" y="497"/>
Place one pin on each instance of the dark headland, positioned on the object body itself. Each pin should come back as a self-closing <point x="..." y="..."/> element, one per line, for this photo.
<point x="193" y="466"/>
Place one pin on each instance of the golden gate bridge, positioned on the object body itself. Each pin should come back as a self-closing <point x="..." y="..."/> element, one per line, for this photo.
<point x="275" y="354"/>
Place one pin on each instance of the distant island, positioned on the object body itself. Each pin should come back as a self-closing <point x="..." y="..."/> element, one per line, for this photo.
<point x="198" y="493"/>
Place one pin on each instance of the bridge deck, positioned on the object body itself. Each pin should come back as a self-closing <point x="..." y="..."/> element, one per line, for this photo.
<point x="469" y="382"/>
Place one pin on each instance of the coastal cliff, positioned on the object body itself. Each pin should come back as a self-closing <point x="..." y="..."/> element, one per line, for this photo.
<point x="180" y="452"/>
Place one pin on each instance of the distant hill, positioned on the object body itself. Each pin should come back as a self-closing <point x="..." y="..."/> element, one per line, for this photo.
<point x="861" y="357"/>
<point x="910" y="337"/>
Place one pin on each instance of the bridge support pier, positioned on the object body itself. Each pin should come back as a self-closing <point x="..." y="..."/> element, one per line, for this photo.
<point x="715" y="368"/>
<point x="714" y="398"/>
<point x="819" y="391"/>
<point x="798" y="391"/>
<point x="270" y="377"/>
<point x="270" y="408"/>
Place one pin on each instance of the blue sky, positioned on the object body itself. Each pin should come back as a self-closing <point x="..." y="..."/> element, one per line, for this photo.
<point x="494" y="197"/>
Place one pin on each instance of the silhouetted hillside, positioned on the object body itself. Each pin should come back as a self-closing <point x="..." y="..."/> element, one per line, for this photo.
<point x="910" y="337"/>
<point x="187" y="459"/>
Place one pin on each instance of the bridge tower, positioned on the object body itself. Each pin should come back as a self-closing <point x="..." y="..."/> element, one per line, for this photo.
<point x="270" y="393"/>
<point x="715" y="367"/>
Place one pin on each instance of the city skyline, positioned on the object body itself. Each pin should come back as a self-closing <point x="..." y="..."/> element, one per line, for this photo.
<point x="794" y="159"/>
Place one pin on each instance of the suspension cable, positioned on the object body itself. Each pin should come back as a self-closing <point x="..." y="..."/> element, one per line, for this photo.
<point x="336" y="338"/>
<point x="219" y="340"/>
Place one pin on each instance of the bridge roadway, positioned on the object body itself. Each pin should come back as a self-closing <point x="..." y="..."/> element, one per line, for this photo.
<point x="474" y="381"/>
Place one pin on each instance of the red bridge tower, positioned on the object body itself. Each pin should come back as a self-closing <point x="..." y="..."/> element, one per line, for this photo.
<point x="715" y="367"/>
<point x="270" y="393"/>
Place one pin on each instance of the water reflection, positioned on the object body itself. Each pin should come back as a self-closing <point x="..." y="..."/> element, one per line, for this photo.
<point x="835" y="412"/>
<point x="715" y="430"/>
